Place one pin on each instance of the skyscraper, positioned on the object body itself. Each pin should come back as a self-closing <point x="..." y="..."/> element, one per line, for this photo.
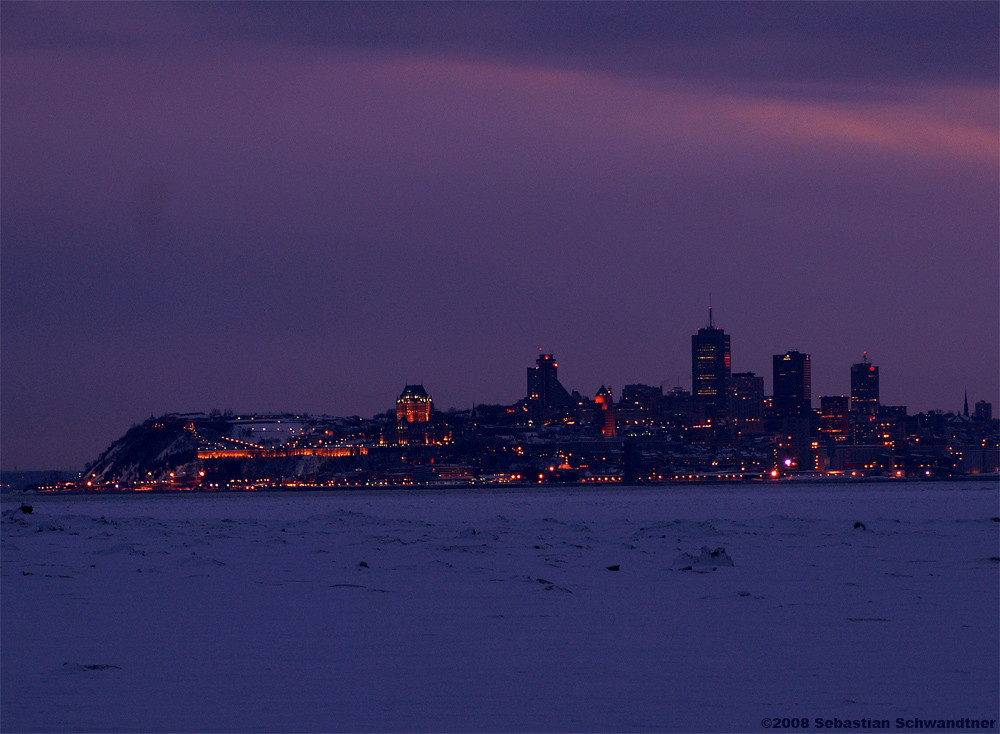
<point x="792" y="384"/>
<point x="864" y="387"/>
<point x="544" y="388"/>
<point x="711" y="364"/>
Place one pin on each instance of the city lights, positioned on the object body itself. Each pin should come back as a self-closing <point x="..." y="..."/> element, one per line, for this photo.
<point x="725" y="430"/>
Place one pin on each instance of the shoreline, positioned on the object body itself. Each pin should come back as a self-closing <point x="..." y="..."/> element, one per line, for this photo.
<point x="267" y="488"/>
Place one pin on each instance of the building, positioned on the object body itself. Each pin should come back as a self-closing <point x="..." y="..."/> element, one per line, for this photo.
<point x="640" y="405"/>
<point x="975" y="459"/>
<point x="865" y="459"/>
<point x="642" y="397"/>
<point x="711" y="364"/>
<point x="682" y="410"/>
<point x="746" y="406"/>
<point x="606" y="412"/>
<point x="792" y="384"/>
<point x="835" y="417"/>
<point x="864" y="387"/>
<point x="414" y="405"/>
<point x="984" y="411"/>
<point x="544" y="388"/>
<point x="416" y="424"/>
<point x="795" y="450"/>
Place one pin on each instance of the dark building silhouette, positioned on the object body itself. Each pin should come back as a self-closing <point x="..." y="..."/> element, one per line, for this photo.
<point x="640" y="404"/>
<point x="984" y="411"/>
<point x="645" y="397"/>
<point x="794" y="448"/>
<point x="544" y="388"/>
<point x="606" y="412"/>
<point x="710" y="368"/>
<point x="792" y="384"/>
<point x="864" y="387"/>
<point x="682" y="409"/>
<point x="746" y="391"/>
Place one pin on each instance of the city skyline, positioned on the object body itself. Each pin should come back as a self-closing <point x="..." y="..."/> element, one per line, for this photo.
<point x="306" y="207"/>
<point x="790" y="392"/>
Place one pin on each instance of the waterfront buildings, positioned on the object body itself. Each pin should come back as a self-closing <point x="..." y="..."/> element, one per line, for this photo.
<point x="554" y="435"/>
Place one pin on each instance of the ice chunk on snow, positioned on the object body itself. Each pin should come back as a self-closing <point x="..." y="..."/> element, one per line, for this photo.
<point x="707" y="560"/>
<point x="83" y="668"/>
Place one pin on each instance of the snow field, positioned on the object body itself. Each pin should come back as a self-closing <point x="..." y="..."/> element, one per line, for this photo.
<point x="467" y="610"/>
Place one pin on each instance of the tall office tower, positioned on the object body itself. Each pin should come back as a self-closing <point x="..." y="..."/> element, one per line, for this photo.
<point x="710" y="368"/>
<point x="864" y="387"/>
<point x="747" y="401"/>
<point x="414" y="405"/>
<point x="606" y="412"/>
<point x="792" y="384"/>
<point x="835" y="417"/>
<point x="984" y="411"/>
<point x="544" y="388"/>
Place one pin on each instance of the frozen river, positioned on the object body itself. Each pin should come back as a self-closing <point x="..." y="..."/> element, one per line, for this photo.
<point x="517" y="610"/>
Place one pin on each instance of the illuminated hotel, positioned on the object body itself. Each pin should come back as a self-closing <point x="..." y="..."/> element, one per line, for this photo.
<point x="414" y="405"/>
<point x="711" y="363"/>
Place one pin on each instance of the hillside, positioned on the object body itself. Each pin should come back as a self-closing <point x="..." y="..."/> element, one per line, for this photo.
<point x="150" y="450"/>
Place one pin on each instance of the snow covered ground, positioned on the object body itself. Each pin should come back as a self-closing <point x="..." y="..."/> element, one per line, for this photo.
<point x="516" y="610"/>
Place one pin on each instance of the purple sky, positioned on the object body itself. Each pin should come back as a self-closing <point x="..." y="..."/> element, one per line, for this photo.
<point x="302" y="207"/>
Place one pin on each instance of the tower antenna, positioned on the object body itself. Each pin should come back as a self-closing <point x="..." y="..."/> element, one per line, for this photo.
<point x="710" y="326"/>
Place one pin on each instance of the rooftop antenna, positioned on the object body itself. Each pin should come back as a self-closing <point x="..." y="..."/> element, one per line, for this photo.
<point x="710" y="311"/>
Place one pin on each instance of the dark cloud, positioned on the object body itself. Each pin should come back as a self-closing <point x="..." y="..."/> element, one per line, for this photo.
<point x="742" y="42"/>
